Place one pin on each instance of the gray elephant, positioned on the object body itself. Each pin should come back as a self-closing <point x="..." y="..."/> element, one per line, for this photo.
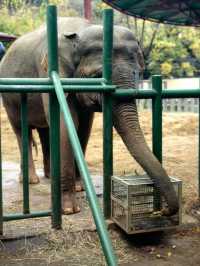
<point x="80" y="55"/>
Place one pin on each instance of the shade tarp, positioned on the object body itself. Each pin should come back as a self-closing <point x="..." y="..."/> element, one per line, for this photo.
<point x="7" y="37"/>
<point x="177" y="12"/>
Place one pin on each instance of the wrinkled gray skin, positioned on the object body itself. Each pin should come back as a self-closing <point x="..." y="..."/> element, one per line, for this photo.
<point x="80" y="55"/>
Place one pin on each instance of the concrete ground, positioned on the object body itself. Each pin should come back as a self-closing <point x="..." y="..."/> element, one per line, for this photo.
<point x="33" y="242"/>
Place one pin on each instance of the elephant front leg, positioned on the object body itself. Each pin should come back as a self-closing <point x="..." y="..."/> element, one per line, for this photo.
<point x="69" y="202"/>
<point x="84" y="129"/>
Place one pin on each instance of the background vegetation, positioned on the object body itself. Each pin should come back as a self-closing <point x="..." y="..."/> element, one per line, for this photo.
<point x="168" y="50"/>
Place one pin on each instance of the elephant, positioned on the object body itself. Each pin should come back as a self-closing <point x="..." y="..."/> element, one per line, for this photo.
<point x="80" y="55"/>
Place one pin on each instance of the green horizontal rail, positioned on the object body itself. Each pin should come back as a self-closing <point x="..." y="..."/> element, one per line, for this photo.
<point x="134" y="93"/>
<point x="91" y="195"/>
<point x="150" y="93"/>
<point x="20" y="216"/>
<point x="119" y="93"/>
<point x="50" y="88"/>
<point x="178" y="93"/>
<point x="47" y="81"/>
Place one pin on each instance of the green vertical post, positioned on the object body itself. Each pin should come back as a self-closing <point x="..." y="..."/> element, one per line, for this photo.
<point x="199" y="155"/>
<point x="25" y="157"/>
<point x="1" y="190"/>
<point x="107" y="112"/>
<point x="54" y="118"/>
<point x="82" y="166"/>
<point x="157" y="117"/>
<point x="157" y="129"/>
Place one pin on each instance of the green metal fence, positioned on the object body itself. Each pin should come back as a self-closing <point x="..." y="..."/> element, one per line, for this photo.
<point x="56" y="88"/>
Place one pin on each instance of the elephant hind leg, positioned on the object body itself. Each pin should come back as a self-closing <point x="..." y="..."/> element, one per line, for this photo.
<point x="84" y="130"/>
<point x="14" y="118"/>
<point x="44" y="139"/>
<point x="33" y="177"/>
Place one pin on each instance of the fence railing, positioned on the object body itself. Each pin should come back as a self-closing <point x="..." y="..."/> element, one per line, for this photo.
<point x="56" y="88"/>
<point x="172" y="105"/>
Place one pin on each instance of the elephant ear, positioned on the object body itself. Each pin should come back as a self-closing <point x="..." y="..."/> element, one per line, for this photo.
<point x="73" y="39"/>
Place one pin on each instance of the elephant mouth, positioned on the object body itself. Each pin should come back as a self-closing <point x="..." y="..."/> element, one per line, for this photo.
<point x="87" y="72"/>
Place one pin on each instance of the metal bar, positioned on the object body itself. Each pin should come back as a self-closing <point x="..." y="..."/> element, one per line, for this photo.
<point x="107" y="45"/>
<point x="134" y="93"/>
<point x="107" y="112"/>
<point x="90" y="192"/>
<point x="50" y="88"/>
<point x="157" y="118"/>
<point x="157" y="130"/>
<point x="20" y="216"/>
<point x="47" y="81"/>
<point x="107" y="153"/>
<point x="151" y="93"/>
<point x="119" y="93"/>
<point x="199" y="155"/>
<point x="25" y="157"/>
<point x="177" y="93"/>
<point x="1" y="190"/>
<point x="54" y="117"/>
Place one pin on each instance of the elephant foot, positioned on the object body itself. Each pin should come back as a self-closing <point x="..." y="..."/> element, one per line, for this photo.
<point x="47" y="172"/>
<point x="79" y="186"/>
<point x="47" y="175"/>
<point x="69" y="205"/>
<point x="33" y="179"/>
<point x="169" y="212"/>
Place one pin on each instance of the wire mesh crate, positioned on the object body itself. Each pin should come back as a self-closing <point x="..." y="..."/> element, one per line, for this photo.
<point x="134" y="200"/>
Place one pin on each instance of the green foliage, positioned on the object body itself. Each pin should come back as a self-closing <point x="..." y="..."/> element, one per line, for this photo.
<point x="176" y="52"/>
<point x="13" y="4"/>
<point x="23" y="21"/>
<point x="27" y="18"/>
<point x="168" y="50"/>
<point x="98" y="7"/>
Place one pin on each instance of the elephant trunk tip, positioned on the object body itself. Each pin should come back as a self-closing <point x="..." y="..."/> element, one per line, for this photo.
<point x="169" y="211"/>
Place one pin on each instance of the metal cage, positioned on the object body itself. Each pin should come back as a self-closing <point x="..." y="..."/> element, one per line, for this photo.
<point x="134" y="200"/>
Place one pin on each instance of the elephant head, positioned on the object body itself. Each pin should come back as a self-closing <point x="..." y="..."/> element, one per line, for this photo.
<point x="127" y="58"/>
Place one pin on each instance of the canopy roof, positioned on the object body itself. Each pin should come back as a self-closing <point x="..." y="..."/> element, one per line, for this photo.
<point x="178" y="12"/>
<point x="6" y="37"/>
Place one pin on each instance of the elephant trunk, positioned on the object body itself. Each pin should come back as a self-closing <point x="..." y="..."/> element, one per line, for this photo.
<point x="127" y="125"/>
<point x="126" y="122"/>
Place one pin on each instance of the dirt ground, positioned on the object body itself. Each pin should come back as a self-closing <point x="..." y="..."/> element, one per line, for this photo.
<point x="33" y="242"/>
